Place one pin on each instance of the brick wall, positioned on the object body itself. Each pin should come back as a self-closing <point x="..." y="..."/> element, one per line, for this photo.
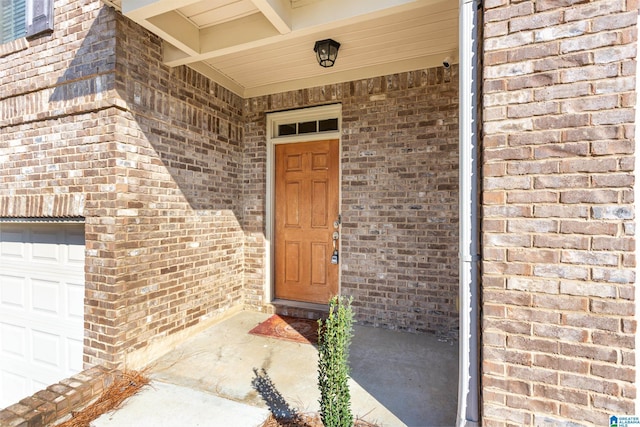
<point x="558" y="217"/>
<point x="57" y="123"/>
<point x="57" y="403"/>
<point x="168" y="170"/>
<point x="179" y="240"/>
<point x="399" y="208"/>
<point x="151" y="157"/>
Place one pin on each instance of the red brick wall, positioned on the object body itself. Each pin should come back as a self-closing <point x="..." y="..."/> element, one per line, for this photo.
<point x="558" y="216"/>
<point x="179" y="240"/>
<point x="168" y="169"/>
<point x="399" y="165"/>
<point x="151" y="157"/>
<point x="57" y="123"/>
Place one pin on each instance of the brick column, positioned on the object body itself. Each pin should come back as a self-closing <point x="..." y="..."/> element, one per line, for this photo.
<point x="558" y="273"/>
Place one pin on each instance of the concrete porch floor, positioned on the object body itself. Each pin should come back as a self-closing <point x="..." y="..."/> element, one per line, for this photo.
<point x="398" y="379"/>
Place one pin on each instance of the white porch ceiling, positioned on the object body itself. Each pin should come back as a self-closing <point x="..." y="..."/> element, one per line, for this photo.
<point x="258" y="47"/>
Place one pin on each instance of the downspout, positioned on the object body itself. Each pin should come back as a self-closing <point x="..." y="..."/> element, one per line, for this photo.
<point x="636" y="195"/>
<point x="468" y="380"/>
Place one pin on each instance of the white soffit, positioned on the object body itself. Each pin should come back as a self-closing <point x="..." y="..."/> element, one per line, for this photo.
<point x="257" y="47"/>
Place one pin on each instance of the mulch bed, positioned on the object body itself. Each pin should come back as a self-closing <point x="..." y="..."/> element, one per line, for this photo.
<point x="123" y="387"/>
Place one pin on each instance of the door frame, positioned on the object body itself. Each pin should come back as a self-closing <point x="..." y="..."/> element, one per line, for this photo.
<point x="273" y="120"/>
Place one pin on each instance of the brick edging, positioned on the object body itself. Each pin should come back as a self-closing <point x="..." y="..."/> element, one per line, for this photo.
<point x="50" y="406"/>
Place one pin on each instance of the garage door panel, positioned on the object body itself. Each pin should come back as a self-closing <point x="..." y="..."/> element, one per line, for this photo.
<point x="13" y="340"/>
<point x="12" y="292"/>
<point x="41" y="321"/>
<point x="74" y="347"/>
<point x="44" y="271"/>
<point x="45" y="247"/>
<point x="11" y="244"/>
<point x="45" y="297"/>
<point x="75" y="300"/>
<point x="12" y="384"/>
<point x="45" y="348"/>
<point x="41" y="306"/>
<point x="35" y="376"/>
<point x="64" y="327"/>
<point x="75" y="248"/>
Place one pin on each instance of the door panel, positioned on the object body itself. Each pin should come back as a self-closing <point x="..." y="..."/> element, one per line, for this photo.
<point x="319" y="253"/>
<point x="292" y="200"/>
<point x="319" y="201"/>
<point x="292" y="261"/>
<point x="306" y="201"/>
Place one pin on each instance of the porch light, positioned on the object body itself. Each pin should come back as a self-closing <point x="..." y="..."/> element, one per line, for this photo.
<point x="326" y="52"/>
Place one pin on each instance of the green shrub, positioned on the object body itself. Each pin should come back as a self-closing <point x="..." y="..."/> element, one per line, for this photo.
<point x="334" y="338"/>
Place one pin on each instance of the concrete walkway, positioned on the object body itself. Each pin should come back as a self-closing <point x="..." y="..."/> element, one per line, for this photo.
<point x="227" y="377"/>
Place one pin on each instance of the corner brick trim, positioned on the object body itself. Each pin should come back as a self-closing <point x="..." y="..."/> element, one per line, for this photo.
<point x="42" y="205"/>
<point x="59" y="401"/>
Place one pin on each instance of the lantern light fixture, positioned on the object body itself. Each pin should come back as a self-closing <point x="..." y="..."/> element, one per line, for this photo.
<point x="326" y="52"/>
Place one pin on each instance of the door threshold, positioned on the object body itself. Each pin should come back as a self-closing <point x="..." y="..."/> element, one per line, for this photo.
<point x="301" y="309"/>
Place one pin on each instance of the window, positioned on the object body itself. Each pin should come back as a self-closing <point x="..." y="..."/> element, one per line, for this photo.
<point x="312" y="123"/>
<point x="316" y="126"/>
<point x="13" y="20"/>
<point x="24" y="18"/>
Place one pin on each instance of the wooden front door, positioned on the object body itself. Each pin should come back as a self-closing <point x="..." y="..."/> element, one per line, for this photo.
<point x="306" y="202"/>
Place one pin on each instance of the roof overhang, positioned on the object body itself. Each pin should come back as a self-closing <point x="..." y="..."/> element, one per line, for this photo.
<point x="258" y="47"/>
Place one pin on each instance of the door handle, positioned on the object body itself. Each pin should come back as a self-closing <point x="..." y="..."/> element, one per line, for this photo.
<point x="337" y="222"/>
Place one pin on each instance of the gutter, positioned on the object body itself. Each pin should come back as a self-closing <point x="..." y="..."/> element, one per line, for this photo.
<point x="468" y="364"/>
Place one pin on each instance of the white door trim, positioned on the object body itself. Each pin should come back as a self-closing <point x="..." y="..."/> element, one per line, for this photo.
<point x="273" y="120"/>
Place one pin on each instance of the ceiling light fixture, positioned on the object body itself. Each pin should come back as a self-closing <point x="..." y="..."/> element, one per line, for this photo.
<point x="326" y="52"/>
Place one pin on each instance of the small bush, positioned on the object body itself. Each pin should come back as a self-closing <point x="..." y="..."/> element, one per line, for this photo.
<point x="334" y="338"/>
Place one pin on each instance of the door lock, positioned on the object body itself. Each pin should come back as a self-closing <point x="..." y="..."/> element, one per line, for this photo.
<point x="334" y="256"/>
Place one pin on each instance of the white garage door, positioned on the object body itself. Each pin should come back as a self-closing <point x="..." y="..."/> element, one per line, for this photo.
<point x="41" y="306"/>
